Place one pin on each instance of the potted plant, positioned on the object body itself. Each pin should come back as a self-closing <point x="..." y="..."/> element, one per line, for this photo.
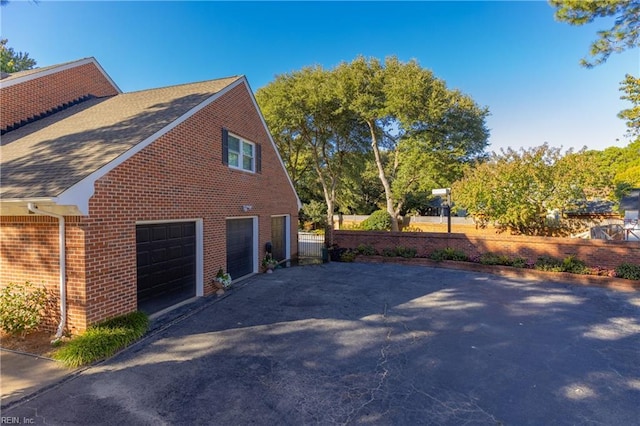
<point x="269" y="263"/>
<point x="222" y="279"/>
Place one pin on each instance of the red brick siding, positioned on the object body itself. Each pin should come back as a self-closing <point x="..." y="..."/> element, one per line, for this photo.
<point x="181" y="176"/>
<point x="24" y="100"/>
<point x="29" y="251"/>
<point x="606" y="254"/>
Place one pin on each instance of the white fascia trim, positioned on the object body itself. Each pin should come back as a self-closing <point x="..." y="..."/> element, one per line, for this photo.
<point x="80" y="193"/>
<point x="199" y="247"/>
<point x="273" y="144"/>
<point x="28" y="200"/>
<point x="54" y="70"/>
<point x="113" y="83"/>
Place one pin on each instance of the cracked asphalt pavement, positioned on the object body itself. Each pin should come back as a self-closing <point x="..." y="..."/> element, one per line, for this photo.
<point x="379" y="344"/>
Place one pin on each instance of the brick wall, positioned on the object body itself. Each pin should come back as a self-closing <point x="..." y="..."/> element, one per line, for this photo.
<point x="181" y="176"/>
<point x="607" y="254"/>
<point x="24" y="100"/>
<point x="29" y="251"/>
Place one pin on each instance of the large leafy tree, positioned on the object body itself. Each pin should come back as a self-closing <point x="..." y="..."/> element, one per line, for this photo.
<point x="360" y="189"/>
<point x="12" y="61"/>
<point x="624" y="34"/>
<point x="529" y="191"/>
<point x="301" y="111"/>
<point x="618" y="167"/>
<point x="419" y="131"/>
<point x="631" y="88"/>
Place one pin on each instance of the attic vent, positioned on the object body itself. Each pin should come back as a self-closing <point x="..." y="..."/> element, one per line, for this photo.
<point x="47" y="113"/>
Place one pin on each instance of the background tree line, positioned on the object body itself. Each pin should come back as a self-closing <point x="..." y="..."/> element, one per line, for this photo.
<point x="372" y="134"/>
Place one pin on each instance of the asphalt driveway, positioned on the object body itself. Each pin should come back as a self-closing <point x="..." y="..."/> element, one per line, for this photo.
<point x="371" y="344"/>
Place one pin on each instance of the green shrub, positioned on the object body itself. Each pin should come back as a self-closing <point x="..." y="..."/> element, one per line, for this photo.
<point x="103" y="340"/>
<point x="628" y="271"/>
<point x="569" y="264"/>
<point x="448" y="254"/>
<point x="400" y="251"/>
<point x="22" y="307"/>
<point x="574" y="265"/>
<point x="314" y="212"/>
<point x="519" y="262"/>
<point x="348" y="256"/>
<point x="366" y="250"/>
<point x="407" y="252"/>
<point x="495" y="259"/>
<point x="388" y="252"/>
<point x="379" y="220"/>
<point x="548" y="263"/>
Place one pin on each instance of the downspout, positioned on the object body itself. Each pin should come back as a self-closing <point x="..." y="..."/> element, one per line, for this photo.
<point x="63" y="266"/>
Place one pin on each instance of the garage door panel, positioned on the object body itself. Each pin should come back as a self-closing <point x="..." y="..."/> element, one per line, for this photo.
<point x="143" y="258"/>
<point x="143" y="235"/>
<point x="189" y="250"/>
<point x="240" y="247"/>
<point x="158" y="255"/>
<point x="188" y="232"/>
<point x="174" y="231"/>
<point x="166" y="264"/>
<point x="158" y="233"/>
<point x="175" y="252"/>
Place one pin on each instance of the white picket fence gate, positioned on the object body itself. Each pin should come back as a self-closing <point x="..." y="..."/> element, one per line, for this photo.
<point x="310" y="245"/>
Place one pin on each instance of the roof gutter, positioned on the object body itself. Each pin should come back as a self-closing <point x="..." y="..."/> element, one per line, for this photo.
<point x="63" y="266"/>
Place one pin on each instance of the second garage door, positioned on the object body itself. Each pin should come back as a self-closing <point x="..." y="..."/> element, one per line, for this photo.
<point x="239" y="247"/>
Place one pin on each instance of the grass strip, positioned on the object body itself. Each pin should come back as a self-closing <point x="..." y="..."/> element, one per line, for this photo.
<point x="103" y="340"/>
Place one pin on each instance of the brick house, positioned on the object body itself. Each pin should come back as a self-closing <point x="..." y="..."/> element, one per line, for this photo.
<point x="124" y="201"/>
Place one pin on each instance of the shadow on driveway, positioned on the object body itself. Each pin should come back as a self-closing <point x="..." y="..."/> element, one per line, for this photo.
<point x="372" y="344"/>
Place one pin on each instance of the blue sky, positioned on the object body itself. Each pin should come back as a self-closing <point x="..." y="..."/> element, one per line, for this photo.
<point x="512" y="57"/>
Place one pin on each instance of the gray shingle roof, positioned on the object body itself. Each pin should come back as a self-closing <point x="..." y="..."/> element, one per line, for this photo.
<point x="44" y="158"/>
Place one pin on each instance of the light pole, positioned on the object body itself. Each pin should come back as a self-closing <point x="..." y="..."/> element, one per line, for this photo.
<point x="445" y="191"/>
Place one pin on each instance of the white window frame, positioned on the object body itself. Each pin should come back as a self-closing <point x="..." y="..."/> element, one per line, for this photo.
<point x="241" y="156"/>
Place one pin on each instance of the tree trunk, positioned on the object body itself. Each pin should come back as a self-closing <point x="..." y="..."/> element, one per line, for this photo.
<point x="383" y="177"/>
<point x="328" y="232"/>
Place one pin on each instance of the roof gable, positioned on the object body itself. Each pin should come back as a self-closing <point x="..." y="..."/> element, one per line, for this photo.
<point x="47" y="157"/>
<point x="9" y="80"/>
<point x="57" y="159"/>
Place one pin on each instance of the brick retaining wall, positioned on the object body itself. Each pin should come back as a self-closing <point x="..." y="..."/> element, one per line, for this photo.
<point x="606" y="254"/>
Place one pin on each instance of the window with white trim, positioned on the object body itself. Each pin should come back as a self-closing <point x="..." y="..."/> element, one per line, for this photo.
<point x="239" y="153"/>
